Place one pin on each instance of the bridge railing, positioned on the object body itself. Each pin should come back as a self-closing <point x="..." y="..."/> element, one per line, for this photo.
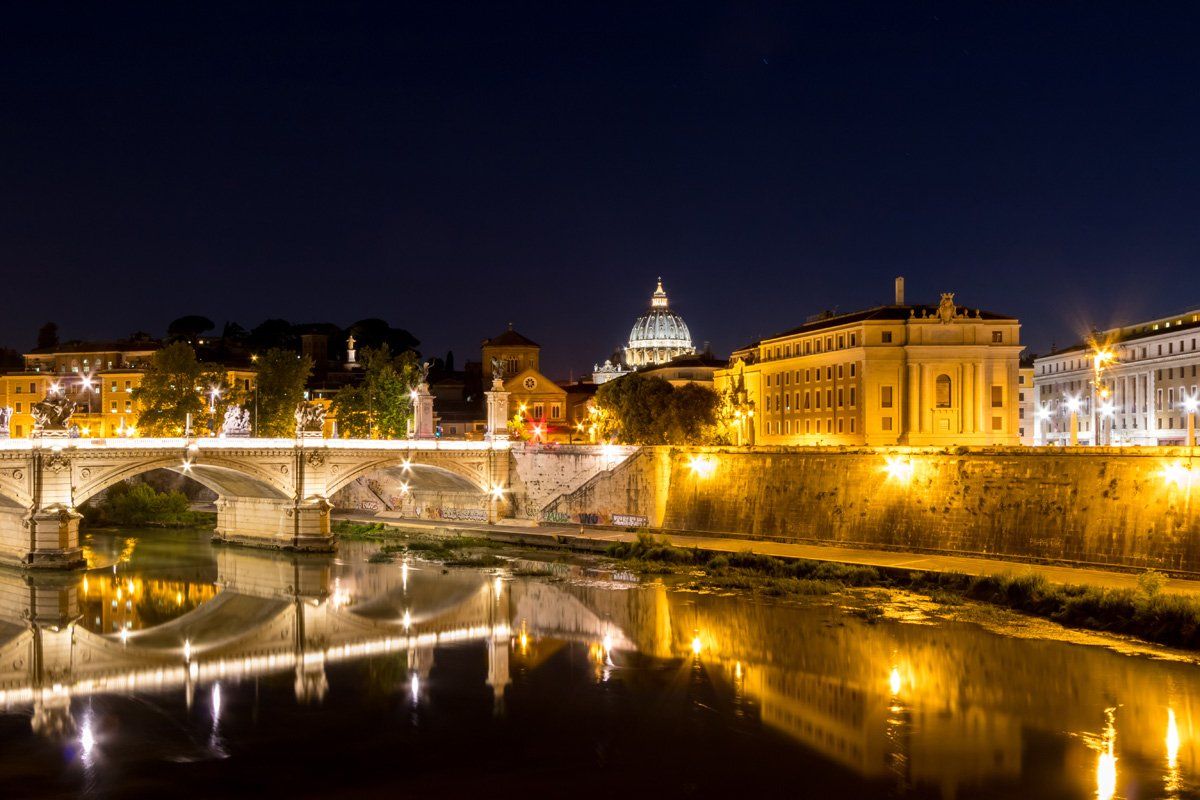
<point x="223" y="443"/>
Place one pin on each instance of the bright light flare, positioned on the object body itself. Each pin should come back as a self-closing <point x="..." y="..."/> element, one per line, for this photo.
<point x="1191" y="404"/>
<point x="701" y="466"/>
<point x="898" y="468"/>
<point x="1172" y="740"/>
<point x="1073" y="404"/>
<point x="1108" y="409"/>
<point x="895" y="682"/>
<point x="497" y="492"/>
<point x="697" y="645"/>
<point x="1179" y="474"/>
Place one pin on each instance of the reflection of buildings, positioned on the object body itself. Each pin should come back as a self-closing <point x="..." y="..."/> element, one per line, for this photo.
<point x="943" y="710"/>
<point x="112" y="603"/>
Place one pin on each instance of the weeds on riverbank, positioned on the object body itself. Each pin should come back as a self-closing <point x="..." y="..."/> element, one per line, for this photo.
<point x="1145" y="612"/>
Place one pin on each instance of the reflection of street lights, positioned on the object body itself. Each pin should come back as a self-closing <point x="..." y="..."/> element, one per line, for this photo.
<point x="1073" y="409"/>
<point x="1190" y="405"/>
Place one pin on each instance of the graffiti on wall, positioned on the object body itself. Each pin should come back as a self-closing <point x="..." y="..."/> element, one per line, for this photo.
<point x="596" y="518"/>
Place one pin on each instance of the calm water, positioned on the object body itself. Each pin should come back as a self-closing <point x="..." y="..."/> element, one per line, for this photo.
<point x="176" y="669"/>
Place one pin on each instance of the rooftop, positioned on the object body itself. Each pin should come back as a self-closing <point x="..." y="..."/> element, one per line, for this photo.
<point x="510" y="338"/>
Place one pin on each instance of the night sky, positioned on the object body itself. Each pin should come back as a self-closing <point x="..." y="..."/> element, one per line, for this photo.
<point x="451" y="168"/>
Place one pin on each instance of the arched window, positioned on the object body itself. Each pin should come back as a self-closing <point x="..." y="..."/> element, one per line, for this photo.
<point x="941" y="393"/>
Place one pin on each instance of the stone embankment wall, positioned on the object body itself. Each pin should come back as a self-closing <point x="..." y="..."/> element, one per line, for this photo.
<point x="1131" y="507"/>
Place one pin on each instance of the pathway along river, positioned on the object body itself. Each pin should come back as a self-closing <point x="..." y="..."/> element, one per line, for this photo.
<point x="176" y="669"/>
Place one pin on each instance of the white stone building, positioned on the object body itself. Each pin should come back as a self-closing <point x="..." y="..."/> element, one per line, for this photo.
<point x="1127" y="385"/>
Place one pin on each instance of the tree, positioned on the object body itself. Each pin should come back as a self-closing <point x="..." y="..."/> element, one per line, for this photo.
<point x="47" y="336"/>
<point x="176" y="385"/>
<point x="189" y="328"/>
<point x="646" y="410"/>
<point x="280" y="387"/>
<point x="381" y="406"/>
<point x="270" y="333"/>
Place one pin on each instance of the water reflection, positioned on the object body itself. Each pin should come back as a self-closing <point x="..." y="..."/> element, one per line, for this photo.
<point x="946" y="710"/>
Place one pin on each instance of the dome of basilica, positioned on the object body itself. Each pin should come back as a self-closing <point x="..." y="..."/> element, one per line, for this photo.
<point x="658" y="335"/>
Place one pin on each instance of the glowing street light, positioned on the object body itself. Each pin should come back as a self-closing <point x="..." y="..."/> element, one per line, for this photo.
<point x="1190" y="405"/>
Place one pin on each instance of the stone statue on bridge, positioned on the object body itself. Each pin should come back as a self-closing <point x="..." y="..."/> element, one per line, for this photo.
<point x="497" y="370"/>
<point x="53" y="415"/>
<point x="237" y="423"/>
<point x="310" y="418"/>
<point x="5" y="418"/>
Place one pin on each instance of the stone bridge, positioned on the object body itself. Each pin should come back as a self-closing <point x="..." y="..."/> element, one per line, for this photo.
<point x="271" y="492"/>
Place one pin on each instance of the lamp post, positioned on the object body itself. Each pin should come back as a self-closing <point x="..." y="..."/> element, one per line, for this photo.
<point x="1043" y="417"/>
<point x="1190" y="405"/>
<point x="1106" y="415"/>
<point x="1099" y="390"/>
<point x="1073" y="410"/>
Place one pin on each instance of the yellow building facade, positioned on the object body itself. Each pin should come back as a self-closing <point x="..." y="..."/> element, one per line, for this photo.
<point x="99" y="378"/>
<point x="538" y="401"/>
<point x="899" y="374"/>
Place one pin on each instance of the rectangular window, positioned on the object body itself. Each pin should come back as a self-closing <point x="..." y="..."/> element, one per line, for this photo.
<point x="128" y="406"/>
<point x="853" y="401"/>
<point x="32" y="387"/>
<point x="841" y="371"/>
<point x="18" y="407"/>
<point x="807" y="375"/>
<point x="829" y="373"/>
<point x="887" y="339"/>
<point x="997" y="423"/>
<point x="886" y="423"/>
<point x="555" y="411"/>
<point x="854" y="343"/>
<point x="18" y="388"/>
<point x="806" y="403"/>
<point x="806" y="426"/>
<point x="841" y="341"/>
<point x="885" y="399"/>
<point x="997" y="337"/>
<point x="841" y="398"/>
<point x="852" y="369"/>
<point x="841" y="425"/>
<point x="829" y="398"/>
<point x="852" y="424"/>
<point x="113" y="407"/>
<point x="817" y="399"/>
<point x="997" y="396"/>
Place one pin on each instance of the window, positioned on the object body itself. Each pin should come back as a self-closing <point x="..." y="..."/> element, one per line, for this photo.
<point x="885" y="399"/>
<point x="829" y="398"/>
<point x="841" y="425"/>
<point x="112" y="408"/>
<point x="997" y="423"/>
<point x="852" y="399"/>
<point x="887" y="339"/>
<point x="997" y="337"/>
<point x="806" y="404"/>
<point x="841" y="398"/>
<point x="18" y="407"/>
<point x="829" y="373"/>
<point x="886" y="423"/>
<point x="841" y="341"/>
<point x="1020" y="413"/>
<point x="1021" y="380"/>
<point x="32" y="387"/>
<point x="852" y="370"/>
<point x="18" y="388"/>
<point x="128" y="406"/>
<point x="555" y="411"/>
<point x="997" y="396"/>
<point x="841" y="371"/>
<point x="854" y="343"/>
<point x="852" y="424"/>
<point x="941" y="391"/>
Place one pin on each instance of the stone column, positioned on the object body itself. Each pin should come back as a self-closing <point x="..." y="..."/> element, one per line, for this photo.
<point x="53" y="521"/>
<point x="497" y="411"/>
<point x="982" y="393"/>
<point x="423" y="412"/>
<point x="914" y="399"/>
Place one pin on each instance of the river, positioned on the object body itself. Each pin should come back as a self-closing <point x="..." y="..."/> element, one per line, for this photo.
<point x="176" y="668"/>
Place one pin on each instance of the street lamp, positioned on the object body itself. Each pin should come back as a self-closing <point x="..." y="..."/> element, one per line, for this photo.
<point x="1099" y="390"/>
<point x="1106" y="414"/>
<point x="1073" y="408"/>
<point x="1043" y="417"/>
<point x="1190" y="404"/>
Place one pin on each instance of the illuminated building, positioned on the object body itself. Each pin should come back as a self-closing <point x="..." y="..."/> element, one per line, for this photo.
<point x="658" y="335"/>
<point x="100" y="377"/>
<point x="894" y="374"/>
<point x="1130" y="385"/>
<point x="1027" y="401"/>
<point x="538" y="401"/>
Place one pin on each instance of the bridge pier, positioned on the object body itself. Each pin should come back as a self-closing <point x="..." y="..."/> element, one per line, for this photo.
<point x="282" y="524"/>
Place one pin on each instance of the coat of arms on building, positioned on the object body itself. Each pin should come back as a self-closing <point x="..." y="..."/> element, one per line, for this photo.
<point x="946" y="310"/>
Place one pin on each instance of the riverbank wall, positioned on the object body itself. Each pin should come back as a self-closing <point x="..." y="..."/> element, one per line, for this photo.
<point x="1128" y="507"/>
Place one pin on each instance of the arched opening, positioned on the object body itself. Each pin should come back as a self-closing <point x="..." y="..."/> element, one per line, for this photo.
<point x="941" y="391"/>
<point x="413" y="490"/>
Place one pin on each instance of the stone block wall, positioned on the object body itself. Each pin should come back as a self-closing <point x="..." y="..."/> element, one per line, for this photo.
<point x="1123" y="506"/>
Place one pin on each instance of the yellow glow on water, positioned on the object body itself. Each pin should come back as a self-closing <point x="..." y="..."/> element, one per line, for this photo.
<point x="1172" y="740"/>
<point x="1106" y="764"/>
<point x="898" y="468"/>
<point x="697" y="645"/>
<point x="895" y="683"/>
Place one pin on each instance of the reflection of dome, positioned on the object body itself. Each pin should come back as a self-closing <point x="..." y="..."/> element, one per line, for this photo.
<point x="658" y="335"/>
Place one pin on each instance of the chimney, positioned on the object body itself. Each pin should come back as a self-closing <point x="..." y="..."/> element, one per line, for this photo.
<point x="900" y="291"/>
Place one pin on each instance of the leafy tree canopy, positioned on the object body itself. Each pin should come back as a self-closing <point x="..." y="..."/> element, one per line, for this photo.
<point x="189" y="328"/>
<point x="637" y="409"/>
<point x="381" y="406"/>
<point x="280" y="385"/>
<point x="47" y="336"/>
<point x="175" y="385"/>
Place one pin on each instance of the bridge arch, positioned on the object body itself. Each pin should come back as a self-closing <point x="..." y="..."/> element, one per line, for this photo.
<point x="426" y="472"/>
<point x="227" y="478"/>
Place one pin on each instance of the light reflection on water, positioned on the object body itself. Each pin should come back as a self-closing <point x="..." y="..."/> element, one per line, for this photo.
<point x="407" y="655"/>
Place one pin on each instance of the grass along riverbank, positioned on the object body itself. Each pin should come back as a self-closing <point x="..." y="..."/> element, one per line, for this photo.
<point x="1145" y="613"/>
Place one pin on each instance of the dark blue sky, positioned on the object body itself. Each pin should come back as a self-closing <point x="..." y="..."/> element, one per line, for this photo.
<point x="451" y="167"/>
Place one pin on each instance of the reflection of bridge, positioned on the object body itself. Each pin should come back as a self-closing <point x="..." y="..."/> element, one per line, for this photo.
<point x="271" y="614"/>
